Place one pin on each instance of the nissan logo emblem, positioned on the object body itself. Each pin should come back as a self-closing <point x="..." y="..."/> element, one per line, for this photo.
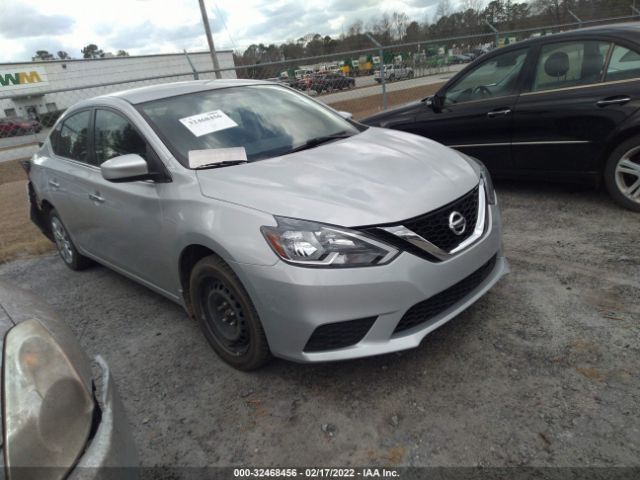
<point x="457" y="223"/>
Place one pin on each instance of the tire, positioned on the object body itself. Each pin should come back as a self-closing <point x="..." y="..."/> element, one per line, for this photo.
<point x="66" y="249"/>
<point x="226" y="315"/>
<point x="622" y="174"/>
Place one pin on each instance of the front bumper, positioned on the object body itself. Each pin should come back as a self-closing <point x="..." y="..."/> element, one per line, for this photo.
<point x="293" y="301"/>
<point x="111" y="453"/>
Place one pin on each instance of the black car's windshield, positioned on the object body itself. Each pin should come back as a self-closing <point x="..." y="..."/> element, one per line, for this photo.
<point x="267" y="120"/>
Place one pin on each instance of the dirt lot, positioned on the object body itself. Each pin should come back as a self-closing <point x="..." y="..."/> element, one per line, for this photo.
<point x="542" y="371"/>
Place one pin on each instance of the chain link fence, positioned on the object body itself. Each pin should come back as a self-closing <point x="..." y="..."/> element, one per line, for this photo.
<point x="34" y="94"/>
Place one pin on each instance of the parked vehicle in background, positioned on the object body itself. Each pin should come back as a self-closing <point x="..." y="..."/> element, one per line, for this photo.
<point x="59" y="420"/>
<point x="458" y="59"/>
<point x="263" y="213"/>
<point x="327" y="82"/>
<point x="393" y="73"/>
<point x="560" y="107"/>
<point x="14" y="126"/>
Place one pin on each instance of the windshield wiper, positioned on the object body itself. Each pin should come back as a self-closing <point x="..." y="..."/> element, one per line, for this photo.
<point x="226" y="163"/>
<point x="314" y="142"/>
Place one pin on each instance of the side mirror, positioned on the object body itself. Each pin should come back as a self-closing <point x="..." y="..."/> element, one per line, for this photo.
<point x="125" y="168"/>
<point x="345" y="115"/>
<point x="436" y="102"/>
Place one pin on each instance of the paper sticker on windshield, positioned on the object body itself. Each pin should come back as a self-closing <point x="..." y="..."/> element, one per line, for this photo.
<point x="199" y="158"/>
<point x="208" y="122"/>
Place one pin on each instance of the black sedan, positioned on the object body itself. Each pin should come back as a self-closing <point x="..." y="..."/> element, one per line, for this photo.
<point x="561" y="107"/>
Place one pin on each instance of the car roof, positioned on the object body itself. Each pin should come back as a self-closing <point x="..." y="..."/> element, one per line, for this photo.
<point x="630" y="31"/>
<point x="165" y="90"/>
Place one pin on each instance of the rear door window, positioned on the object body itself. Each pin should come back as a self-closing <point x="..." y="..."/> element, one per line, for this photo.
<point x="624" y="64"/>
<point x="569" y="64"/>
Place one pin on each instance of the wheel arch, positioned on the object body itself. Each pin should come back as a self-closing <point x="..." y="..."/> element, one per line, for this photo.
<point x="615" y="141"/>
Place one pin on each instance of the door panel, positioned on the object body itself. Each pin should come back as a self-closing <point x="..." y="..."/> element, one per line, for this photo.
<point x="127" y="220"/>
<point x="563" y="123"/>
<point x="565" y="131"/>
<point x="477" y="112"/>
<point x="481" y="129"/>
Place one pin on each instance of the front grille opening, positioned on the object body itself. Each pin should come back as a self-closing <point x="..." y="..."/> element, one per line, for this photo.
<point x="424" y="311"/>
<point x="434" y="226"/>
<point x="331" y="336"/>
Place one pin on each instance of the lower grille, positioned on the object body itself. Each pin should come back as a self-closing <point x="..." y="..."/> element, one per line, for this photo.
<point x="427" y="309"/>
<point x="331" y="336"/>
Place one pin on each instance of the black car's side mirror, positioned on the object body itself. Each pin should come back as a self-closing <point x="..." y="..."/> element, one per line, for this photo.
<point x="435" y="102"/>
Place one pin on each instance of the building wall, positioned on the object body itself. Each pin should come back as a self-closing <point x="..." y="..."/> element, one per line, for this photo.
<point x="103" y="75"/>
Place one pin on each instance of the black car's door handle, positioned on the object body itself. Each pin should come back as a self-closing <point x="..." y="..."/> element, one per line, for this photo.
<point x="499" y="113"/>
<point x="96" y="197"/>
<point x="613" y="101"/>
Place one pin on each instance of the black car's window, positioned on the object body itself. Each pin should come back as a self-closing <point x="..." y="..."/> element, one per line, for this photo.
<point x="624" y="64"/>
<point x="115" y="136"/>
<point x="569" y="64"/>
<point x="495" y="77"/>
<point x="70" y="138"/>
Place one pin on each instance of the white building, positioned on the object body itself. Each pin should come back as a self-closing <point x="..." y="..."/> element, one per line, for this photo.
<point x="30" y="88"/>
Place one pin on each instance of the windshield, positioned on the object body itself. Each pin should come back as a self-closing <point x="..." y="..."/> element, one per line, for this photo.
<point x="267" y="120"/>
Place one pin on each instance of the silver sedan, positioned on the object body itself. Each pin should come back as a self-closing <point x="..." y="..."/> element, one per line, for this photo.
<point x="280" y="224"/>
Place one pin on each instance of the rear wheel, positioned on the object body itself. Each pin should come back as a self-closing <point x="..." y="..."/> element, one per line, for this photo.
<point x="622" y="174"/>
<point x="66" y="249"/>
<point x="226" y="315"/>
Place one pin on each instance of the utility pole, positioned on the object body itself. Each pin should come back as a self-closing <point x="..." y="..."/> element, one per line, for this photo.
<point x="382" y="82"/>
<point x="207" y="29"/>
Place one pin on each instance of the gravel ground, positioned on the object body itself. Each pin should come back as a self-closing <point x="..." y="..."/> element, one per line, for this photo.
<point x="542" y="371"/>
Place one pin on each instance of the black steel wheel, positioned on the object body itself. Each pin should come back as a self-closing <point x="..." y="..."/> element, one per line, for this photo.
<point x="226" y="315"/>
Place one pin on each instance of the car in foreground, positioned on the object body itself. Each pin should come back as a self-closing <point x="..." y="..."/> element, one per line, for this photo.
<point x="563" y="107"/>
<point x="283" y="227"/>
<point x="14" y="126"/>
<point x="59" y="419"/>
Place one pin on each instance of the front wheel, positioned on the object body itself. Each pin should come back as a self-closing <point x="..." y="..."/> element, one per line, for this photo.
<point x="622" y="174"/>
<point x="66" y="249"/>
<point x="226" y="315"/>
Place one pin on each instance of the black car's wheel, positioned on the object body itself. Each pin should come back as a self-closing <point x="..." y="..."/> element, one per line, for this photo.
<point x="226" y="315"/>
<point x="622" y="174"/>
<point x="66" y="249"/>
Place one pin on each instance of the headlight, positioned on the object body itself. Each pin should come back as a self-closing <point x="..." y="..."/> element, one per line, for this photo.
<point x="48" y="405"/>
<point x="484" y="175"/>
<point x="317" y="245"/>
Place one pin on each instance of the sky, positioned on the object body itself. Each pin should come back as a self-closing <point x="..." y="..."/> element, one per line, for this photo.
<point x="156" y="26"/>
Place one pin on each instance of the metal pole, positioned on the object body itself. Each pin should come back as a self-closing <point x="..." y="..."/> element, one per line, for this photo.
<point x="495" y="30"/>
<point x="576" y="17"/>
<point x="207" y="29"/>
<point x="382" y="82"/>
<point x="195" y="72"/>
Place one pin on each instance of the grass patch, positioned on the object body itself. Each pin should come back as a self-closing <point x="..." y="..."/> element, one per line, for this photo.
<point x="18" y="236"/>
<point x="11" y="171"/>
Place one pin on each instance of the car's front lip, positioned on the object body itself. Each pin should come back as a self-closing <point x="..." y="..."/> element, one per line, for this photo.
<point x="293" y="301"/>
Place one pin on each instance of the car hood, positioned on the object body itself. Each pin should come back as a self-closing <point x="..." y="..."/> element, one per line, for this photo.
<point x="377" y="176"/>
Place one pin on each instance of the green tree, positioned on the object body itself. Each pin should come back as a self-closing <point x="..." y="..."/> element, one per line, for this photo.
<point x="92" y="51"/>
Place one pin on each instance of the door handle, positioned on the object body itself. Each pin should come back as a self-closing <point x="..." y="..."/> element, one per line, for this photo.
<point x="54" y="184"/>
<point x="613" y="101"/>
<point x="501" y="112"/>
<point x="96" y="197"/>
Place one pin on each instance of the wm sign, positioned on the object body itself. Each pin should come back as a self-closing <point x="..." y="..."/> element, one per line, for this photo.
<point x="21" y="78"/>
